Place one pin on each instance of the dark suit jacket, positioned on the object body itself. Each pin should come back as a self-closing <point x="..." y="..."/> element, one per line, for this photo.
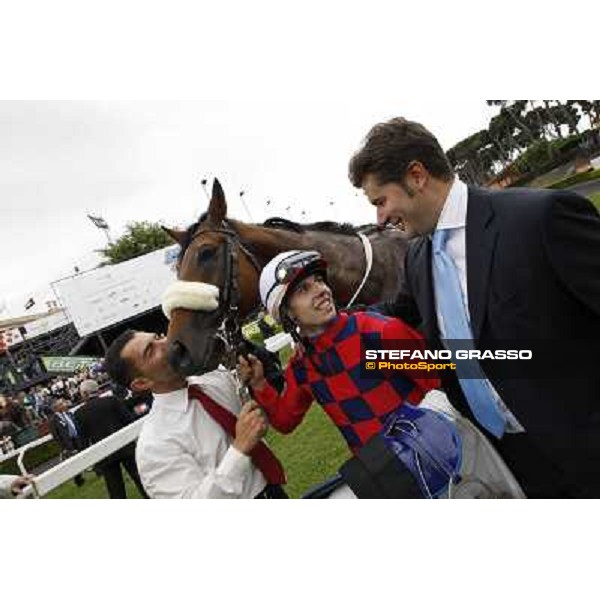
<point x="533" y="273"/>
<point x="60" y="432"/>
<point x="100" y="417"/>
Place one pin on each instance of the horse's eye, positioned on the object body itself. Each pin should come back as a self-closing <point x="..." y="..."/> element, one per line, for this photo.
<point x="205" y="254"/>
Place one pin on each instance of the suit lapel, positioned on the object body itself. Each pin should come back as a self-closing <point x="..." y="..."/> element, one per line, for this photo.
<point x="422" y="286"/>
<point x="481" y="238"/>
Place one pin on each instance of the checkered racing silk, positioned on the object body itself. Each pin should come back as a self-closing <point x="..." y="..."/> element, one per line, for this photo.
<point x="358" y="405"/>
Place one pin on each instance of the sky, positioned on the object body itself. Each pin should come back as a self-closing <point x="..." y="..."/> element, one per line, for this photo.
<point x="145" y="160"/>
<point x="279" y="96"/>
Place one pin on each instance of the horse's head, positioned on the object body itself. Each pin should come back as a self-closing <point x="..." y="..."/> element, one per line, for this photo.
<point x="217" y="286"/>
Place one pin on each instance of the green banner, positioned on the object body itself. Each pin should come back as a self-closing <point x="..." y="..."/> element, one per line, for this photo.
<point x="67" y="364"/>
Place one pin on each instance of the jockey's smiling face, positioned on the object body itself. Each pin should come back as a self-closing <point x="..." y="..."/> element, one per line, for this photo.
<point x="311" y="304"/>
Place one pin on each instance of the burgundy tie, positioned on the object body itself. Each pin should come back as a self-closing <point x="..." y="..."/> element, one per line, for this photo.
<point x="261" y="455"/>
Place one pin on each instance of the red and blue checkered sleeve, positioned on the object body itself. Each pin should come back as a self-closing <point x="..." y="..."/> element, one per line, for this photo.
<point x="285" y="411"/>
<point x="397" y="329"/>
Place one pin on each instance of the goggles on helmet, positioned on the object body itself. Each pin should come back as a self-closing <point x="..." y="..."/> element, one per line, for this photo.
<point x="292" y="266"/>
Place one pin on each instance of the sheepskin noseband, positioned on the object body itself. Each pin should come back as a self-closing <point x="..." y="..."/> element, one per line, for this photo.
<point x="192" y="295"/>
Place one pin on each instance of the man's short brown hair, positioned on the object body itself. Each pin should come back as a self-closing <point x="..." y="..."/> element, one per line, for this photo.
<point x="390" y="147"/>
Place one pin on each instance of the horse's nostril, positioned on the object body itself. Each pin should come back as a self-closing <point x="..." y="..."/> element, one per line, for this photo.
<point x="179" y="357"/>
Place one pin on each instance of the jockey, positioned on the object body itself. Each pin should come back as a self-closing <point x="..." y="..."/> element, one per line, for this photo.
<point x="326" y="365"/>
<point x="400" y="450"/>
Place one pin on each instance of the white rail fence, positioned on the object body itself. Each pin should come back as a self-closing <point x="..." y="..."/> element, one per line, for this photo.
<point x="67" y="469"/>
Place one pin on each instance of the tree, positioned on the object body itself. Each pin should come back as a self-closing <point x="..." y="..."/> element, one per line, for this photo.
<point x="571" y="115"/>
<point x="515" y="109"/>
<point x="590" y="108"/>
<point x="140" y="237"/>
<point x="525" y="136"/>
<point x="469" y="160"/>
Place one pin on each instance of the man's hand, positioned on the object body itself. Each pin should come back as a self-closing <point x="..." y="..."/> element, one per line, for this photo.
<point x="251" y="372"/>
<point x="19" y="484"/>
<point x="140" y="409"/>
<point x="250" y="428"/>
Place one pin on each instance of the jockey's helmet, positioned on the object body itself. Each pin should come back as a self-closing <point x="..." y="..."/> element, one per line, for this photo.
<point x="282" y="274"/>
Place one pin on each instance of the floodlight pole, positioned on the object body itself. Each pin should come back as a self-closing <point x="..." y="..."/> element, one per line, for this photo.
<point x="108" y="238"/>
<point x="204" y="183"/>
<point x="245" y="205"/>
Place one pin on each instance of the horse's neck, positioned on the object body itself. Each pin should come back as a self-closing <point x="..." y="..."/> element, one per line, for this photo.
<point x="343" y="252"/>
<point x="266" y="243"/>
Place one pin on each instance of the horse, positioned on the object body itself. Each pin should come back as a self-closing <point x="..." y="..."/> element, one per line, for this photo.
<point x="224" y="257"/>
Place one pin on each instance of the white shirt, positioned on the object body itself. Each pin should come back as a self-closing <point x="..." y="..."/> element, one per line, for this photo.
<point x="454" y="217"/>
<point x="182" y="452"/>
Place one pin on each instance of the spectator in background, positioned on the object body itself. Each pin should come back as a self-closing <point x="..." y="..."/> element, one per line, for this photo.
<point x="7" y="427"/>
<point x="64" y="431"/>
<point x="29" y="403"/>
<point x="97" y="419"/>
<point x="14" y="412"/>
<point x="43" y="403"/>
<point x="23" y="409"/>
<point x="57" y="388"/>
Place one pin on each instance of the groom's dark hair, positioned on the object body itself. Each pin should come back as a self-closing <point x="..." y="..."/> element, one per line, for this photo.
<point x="390" y="147"/>
<point x="119" y="369"/>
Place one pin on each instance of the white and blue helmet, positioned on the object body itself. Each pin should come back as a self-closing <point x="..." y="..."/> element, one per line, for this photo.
<point x="284" y="270"/>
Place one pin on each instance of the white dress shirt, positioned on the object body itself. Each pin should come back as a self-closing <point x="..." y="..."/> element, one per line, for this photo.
<point x="454" y="218"/>
<point x="182" y="452"/>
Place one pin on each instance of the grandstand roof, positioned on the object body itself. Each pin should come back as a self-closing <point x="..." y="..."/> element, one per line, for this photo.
<point x="24" y="319"/>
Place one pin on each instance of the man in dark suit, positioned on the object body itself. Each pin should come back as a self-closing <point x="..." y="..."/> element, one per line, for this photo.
<point x="64" y="431"/>
<point x="99" y="417"/>
<point x="487" y="266"/>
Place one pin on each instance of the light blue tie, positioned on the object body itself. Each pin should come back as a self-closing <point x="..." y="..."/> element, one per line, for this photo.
<point x="70" y="425"/>
<point x="472" y="379"/>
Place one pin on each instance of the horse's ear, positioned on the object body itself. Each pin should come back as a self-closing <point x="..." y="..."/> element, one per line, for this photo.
<point x="217" y="209"/>
<point x="178" y="236"/>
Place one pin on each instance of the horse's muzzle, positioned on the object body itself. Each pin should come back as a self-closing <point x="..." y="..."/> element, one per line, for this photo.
<point x="180" y="359"/>
<point x="187" y="363"/>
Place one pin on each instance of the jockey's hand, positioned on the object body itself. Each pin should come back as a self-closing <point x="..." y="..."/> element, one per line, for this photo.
<point x="251" y="372"/>
<point x="251" y="426"/>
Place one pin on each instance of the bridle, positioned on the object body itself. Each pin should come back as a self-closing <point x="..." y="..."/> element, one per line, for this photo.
<point x="230" y="329"/>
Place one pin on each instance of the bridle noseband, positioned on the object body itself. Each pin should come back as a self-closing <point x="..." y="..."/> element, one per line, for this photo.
<point x="230" y="329"/>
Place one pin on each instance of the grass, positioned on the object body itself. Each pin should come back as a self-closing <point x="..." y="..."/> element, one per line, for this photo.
<point x="93" y="488"/>
<point x="590" y="175"/>
<point x="310" y="455"/>
<point x="595" y="198"/>
<point x="34" y="458"/>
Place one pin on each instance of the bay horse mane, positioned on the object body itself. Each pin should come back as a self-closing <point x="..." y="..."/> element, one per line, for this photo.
<point x="287" y="225"/>
<point x="325" y="226"/>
